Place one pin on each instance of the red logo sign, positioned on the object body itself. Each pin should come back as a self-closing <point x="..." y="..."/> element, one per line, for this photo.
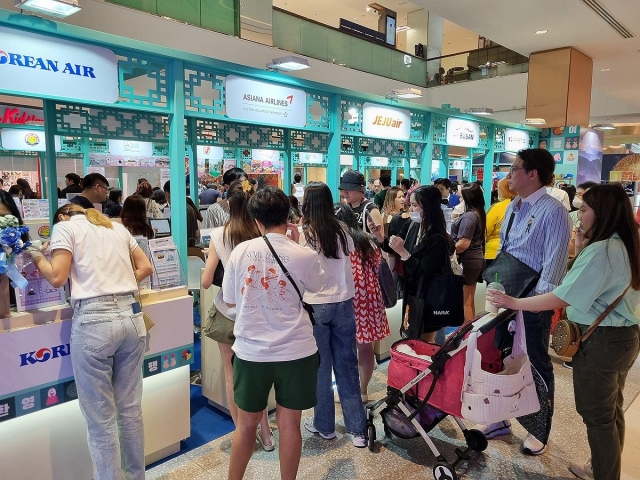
<point x="15" y="116"/>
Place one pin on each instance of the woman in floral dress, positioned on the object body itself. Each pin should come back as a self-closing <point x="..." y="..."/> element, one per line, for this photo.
<point x="371" y="317"/>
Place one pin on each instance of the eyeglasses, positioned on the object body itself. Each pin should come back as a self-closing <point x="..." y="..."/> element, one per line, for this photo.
<point x="106" y="189"/>
<point x="514" y="169"/>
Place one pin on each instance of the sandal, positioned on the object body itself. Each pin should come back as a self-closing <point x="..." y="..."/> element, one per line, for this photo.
<point x="266" y="448"/>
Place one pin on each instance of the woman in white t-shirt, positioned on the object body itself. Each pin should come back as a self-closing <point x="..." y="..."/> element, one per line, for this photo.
<point x="239" y="227"/>
<point x="335" y="328"/>
<point x="108" y="334"/>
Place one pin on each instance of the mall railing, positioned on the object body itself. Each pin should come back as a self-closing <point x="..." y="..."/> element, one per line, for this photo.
<point x="495" y="61"/>
<point x="306" y="37"/>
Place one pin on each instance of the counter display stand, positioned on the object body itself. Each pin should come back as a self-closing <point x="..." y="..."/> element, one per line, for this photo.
<point x="42" y="431"/>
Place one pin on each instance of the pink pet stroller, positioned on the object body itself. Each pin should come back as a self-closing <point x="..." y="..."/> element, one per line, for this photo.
<point x="423" y="391"/>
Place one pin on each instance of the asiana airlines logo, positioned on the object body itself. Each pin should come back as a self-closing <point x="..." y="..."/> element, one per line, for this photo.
<point x="40" y="63"/>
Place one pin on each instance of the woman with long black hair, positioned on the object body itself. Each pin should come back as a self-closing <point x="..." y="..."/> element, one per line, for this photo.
<point x="468" y="233"/>
<point x="335" y="328"/>
<point x="238" y="228"/>
<point x="606" y="270"/>
<point x="423" y="246"/>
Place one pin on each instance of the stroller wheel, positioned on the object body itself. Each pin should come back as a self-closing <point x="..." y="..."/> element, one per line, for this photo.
<point x="371" y="436"/>
<point x="476" y="440"/>
<point x="444" y="471"/>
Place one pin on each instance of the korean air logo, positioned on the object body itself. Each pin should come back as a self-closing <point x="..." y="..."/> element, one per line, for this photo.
<point x="45" y="354"/>
<point x="46" y="64"/>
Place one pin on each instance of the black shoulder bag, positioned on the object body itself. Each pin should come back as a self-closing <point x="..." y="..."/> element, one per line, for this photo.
<point x="516" y="277"/>
<point x="305" y="305"/>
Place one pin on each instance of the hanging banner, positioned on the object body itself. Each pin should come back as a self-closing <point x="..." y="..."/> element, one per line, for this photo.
<point x="462" y="133"/>
<point x="25" y="140"/>
<point x="515" y="140"/>
<point x="385" y="122"/>
<point x="130" y="147"/>
<point x="250" y="100"/>
<point x="379" y="162"/>
<point x="42" y="65"/>
<point x="346" y="160"/>
<point x="310" y="157"/>
<point x="206" y="152"/>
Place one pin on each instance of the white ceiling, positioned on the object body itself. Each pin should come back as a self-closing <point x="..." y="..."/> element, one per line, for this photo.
<point x="569" y="23"/>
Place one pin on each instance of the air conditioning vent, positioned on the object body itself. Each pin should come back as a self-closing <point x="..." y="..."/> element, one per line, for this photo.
<point x="607" y="17"/>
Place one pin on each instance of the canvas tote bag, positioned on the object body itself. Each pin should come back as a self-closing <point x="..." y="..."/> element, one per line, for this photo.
<point x="493" y="397"/>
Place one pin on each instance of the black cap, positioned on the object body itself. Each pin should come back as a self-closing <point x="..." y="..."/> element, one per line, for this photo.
<point x="352" y="180"/>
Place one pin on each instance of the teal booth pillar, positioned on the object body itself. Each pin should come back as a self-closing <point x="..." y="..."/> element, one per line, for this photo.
<point x="333" y="152"/>
<point x="176" y="163"/>
<point x="50" y="173"/>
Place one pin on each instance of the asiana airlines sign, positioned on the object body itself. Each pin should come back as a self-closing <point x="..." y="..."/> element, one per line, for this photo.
<point x="254" y="101"/>
<point x="39" y="65"/>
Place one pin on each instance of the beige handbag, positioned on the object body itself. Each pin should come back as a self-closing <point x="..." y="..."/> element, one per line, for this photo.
<point x="566" y="338"/>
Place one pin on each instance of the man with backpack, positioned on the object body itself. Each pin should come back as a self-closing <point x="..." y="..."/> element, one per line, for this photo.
<point x="352" y="187"/>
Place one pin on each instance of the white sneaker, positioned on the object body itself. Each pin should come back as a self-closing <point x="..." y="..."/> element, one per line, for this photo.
<point x="359" y="441"/>
<point x="533" y="446"/>
<point x="584" y="471"/>
<point x="495" y="429"/>
<point x="308" y="426"/>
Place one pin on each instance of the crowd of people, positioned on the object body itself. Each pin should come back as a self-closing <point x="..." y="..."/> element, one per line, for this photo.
<point x="300" y="298"/>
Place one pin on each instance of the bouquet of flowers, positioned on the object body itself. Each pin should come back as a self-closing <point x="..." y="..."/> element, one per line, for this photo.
<point x="12" y="245"/>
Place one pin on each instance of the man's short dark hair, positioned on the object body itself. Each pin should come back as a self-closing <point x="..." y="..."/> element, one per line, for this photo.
<point x="92" y="179"/>
<point x="73" y="178"/>
<point x="445" y="182"/>
<point x="540" y="160"/>
<point x="406" y="183"/>
<point x="232" y="175"/>
<point x="588" y="185"/>
<point x="385" y="180"/>
<point x="297" y="178"/>
<point x="270" y="206"/>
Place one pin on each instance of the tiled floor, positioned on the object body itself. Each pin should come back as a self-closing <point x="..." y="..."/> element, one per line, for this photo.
<point x="631" y="453"/>
<point x="412" y="459"/>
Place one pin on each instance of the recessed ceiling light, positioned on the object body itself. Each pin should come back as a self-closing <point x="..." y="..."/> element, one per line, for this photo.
<point x="406" y="93"/>
<point x="534" y="121"/>
<point x="541" y="32"/>
<point x="604" y="126"/>
<point x="479" y="111"/>
<point x="605" y="69"/>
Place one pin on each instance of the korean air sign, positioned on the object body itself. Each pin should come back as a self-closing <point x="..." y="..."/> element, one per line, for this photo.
<point x="39" y="65"/>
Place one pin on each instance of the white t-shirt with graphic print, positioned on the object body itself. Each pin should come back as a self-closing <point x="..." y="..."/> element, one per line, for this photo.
<point x="270" y="325"/>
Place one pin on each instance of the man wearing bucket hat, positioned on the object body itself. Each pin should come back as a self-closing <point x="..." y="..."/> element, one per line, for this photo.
<point x="352" y="188"/>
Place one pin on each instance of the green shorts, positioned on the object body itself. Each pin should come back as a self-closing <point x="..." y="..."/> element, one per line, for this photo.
<point x="295" y="383"/>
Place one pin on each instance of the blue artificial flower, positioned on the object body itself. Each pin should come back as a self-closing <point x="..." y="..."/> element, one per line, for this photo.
<point x="9" y="236"/>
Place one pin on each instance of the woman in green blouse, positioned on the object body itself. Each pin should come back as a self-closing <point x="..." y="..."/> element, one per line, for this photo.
<point x="607" y="262"/>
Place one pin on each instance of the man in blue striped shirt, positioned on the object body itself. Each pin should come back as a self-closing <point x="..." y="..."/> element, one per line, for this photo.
<point x="539" y="237"/>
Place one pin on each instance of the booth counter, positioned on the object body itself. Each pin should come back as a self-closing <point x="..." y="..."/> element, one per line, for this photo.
<point x="42" y="431"/>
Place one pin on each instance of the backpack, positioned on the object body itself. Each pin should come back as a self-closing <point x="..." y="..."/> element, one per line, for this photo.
<point x="366" y="210"/>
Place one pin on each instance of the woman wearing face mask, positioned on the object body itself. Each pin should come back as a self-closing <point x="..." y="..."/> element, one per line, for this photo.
<point x="577" y="203"/>
<point x="423" y="246"/>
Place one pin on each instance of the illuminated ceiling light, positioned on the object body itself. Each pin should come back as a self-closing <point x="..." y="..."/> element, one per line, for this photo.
<point x="541" y="32"/>
<point x="288" y="64"/>
<point x="479" y="111"/>
<point x="605" y="69"/>
<point x="604" y="126"/>
<point x="52" y="8"/>
<point x="403" y="28"/>
<point x="406" y="93"/>
<point x="534" y="121"/>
